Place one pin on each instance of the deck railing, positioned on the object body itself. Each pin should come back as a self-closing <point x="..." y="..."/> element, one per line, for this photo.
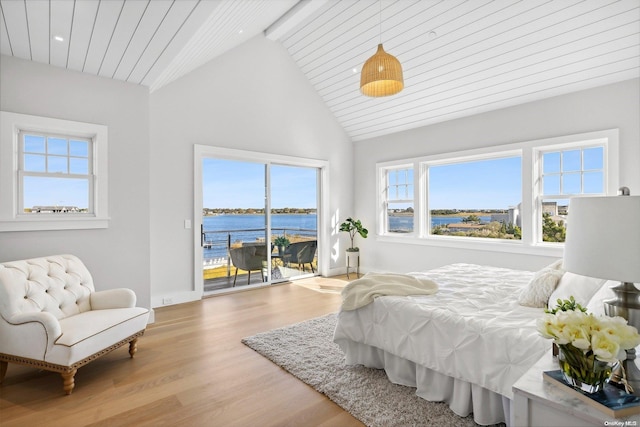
<point x="223" y="240"/>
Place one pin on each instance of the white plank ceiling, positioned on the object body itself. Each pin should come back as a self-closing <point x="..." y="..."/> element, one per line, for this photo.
<point x="459" y="57"/>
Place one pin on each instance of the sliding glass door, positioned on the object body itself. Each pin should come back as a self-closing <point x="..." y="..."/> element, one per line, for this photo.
<point x="234" y="224"/>
<point x="259" y="223"/>
<point x="294" y="220"/>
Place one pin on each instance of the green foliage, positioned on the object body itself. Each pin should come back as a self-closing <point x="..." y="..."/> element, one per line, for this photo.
<point x="515" y="231"/>
<point x="552" y="231"/>
<point x="567" y="305"/>
<point x="471" y="218"/>
<point x="493" y="230"/>
<point x="353" y="227"/>
<point x="281" y="241"/>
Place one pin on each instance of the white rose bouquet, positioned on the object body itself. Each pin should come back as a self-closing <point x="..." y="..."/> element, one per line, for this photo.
<point x="589" y="345"/>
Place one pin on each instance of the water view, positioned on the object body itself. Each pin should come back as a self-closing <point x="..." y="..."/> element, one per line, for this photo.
<point x="250" y="228"/>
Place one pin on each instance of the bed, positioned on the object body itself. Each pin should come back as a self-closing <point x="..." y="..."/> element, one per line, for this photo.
<point x="466" y="345"/>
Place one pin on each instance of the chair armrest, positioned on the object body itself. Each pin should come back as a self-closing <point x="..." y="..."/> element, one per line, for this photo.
<point x="113" y="298"/>
<point x="52" y="329"/>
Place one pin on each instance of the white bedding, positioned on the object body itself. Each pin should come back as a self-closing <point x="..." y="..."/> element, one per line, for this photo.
<point x="472" y="329"/>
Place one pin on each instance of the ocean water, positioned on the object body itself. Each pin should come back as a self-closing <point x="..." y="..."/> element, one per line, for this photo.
<point x="405" y="223"/>
<point x="249" y="228"/>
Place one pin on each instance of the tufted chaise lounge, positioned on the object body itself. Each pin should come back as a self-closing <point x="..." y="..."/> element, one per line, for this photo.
<point x="52" y="318"/>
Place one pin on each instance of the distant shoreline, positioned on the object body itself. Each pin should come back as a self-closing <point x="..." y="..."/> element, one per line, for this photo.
<point x="259" y="213"/>
<point x="455" y="215"/>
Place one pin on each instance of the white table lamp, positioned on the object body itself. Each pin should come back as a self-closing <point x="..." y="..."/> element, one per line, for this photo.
<point x="603" y="241"/>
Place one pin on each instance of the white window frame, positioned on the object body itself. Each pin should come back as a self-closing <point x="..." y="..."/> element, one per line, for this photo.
<point x="11" y="218"/>
<point x="384" y="198"/>
<point x="538" y="152"/>
<point x="531" y="208"/>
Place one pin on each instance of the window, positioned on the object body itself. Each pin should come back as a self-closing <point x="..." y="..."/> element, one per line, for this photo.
<point x="48" y="169"/>
<point x="476" y="198"/>
<point x="55" y="174"/>
<point x="511" y="198"/>
<point x="398" y="196"/>
<point x="570" y="172"/>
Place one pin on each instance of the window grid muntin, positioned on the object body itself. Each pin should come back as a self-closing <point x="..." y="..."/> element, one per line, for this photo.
<point x="47" y="155"/>
<point x="403" y="179"/>
<point x="562" y="172"/>
<point x="531" y="179"/>
<point x="399" y="182"/>
<point x="562" y="197"/>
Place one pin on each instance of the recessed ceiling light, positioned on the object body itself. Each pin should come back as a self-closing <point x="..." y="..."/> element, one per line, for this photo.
<point x="355" y="70"/>
<point x="58" y="38"/>
<point x="241" y="31"/>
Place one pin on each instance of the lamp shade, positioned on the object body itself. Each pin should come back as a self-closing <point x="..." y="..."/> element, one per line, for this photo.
<point x="381" y="75"/>
<point x="603" y="238"/>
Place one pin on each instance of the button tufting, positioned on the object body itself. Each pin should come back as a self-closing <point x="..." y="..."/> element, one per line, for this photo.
<point x="26" y="297"/>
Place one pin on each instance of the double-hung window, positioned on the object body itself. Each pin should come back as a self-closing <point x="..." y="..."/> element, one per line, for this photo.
<point x="53" y="174"/>
<point x="568" y="171"/>
<point x="513" y="198"/>
<point x="397" y="199"/>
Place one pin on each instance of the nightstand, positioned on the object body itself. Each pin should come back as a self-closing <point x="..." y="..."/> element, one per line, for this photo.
<point x="538" y="403"/>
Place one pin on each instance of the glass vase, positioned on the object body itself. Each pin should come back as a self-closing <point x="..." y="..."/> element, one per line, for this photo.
<point x="583" y="371"/>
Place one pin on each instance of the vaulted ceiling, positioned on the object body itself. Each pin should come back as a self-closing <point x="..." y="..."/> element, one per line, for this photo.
<point x="459" y="57"/>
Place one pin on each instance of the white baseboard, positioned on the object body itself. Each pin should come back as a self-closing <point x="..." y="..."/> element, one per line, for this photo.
<point x="174" y="298"/>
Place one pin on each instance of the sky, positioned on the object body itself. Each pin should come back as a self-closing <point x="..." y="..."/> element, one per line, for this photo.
<point x="239" y="184"/>
<point x="485" y="184"/>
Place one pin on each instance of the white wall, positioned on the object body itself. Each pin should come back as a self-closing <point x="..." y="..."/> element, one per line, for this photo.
<point x="119" y="255"/>
<point x="607" y="107"/>
<point x="251" y="98"/>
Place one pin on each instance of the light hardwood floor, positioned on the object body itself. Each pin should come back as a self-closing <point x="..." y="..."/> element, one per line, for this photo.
<point x="190" y="370"/>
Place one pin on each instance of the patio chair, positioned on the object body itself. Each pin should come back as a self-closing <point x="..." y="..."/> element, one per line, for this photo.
<point x="248" y="258"/>
<point x="302" y="253"/>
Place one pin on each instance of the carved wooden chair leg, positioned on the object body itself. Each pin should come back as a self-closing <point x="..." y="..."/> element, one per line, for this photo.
<point x="133" y="346"/>
<point x="3" y="370"/>
<point x="69" y="382"/>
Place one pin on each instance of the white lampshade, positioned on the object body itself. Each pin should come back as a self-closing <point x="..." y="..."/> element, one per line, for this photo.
<point x="603" y="238"/>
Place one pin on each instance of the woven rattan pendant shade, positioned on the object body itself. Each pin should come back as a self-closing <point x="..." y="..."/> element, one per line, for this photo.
<point x="381" y="75"/>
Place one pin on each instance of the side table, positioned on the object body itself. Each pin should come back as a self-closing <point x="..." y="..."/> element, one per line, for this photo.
<point x="538" y="403"/>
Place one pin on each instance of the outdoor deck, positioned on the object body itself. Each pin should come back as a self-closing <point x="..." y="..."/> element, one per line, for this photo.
<point x="225" y="282"/>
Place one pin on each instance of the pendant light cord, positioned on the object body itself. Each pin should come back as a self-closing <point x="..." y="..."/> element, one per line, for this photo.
<point x="380" y="2"/>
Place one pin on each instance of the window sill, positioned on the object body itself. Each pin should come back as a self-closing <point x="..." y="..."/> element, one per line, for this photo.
<point x="40" y="224"/>
<point x="477" y="244"/>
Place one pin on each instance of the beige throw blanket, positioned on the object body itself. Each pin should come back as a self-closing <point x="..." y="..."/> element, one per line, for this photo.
<point x="363" y="291"/>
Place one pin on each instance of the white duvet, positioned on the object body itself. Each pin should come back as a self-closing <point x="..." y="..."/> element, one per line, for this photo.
<point x="472" y="329"/>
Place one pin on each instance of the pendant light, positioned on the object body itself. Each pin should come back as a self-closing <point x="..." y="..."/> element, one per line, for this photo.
<point x="382" y="73"/>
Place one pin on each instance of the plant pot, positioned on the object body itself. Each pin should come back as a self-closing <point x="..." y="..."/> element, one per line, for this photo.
<point x="583" y="372"/>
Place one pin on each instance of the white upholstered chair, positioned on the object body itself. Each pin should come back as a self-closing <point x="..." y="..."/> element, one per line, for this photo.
<point x="52" y="318"/>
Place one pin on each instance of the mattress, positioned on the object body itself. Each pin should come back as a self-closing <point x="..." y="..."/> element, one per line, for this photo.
<point x="472" y="329"/>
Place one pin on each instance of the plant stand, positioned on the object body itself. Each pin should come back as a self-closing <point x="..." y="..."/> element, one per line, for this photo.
<point x="353" y="262"/>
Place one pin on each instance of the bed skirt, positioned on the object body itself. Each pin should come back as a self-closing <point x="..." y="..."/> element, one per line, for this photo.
<point x="462" y="397"/>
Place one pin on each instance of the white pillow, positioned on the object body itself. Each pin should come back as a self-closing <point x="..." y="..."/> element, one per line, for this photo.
<point x="541" y="286"/>
<point x="582" y="288"/>
<point x="596" y="304"/>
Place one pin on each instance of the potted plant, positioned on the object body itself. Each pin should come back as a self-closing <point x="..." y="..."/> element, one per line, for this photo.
<point x="281" y="242"/>
<point x="353" y="227"/>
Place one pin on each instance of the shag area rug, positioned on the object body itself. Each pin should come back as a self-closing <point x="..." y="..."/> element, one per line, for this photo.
<point x="308" y="352"/>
